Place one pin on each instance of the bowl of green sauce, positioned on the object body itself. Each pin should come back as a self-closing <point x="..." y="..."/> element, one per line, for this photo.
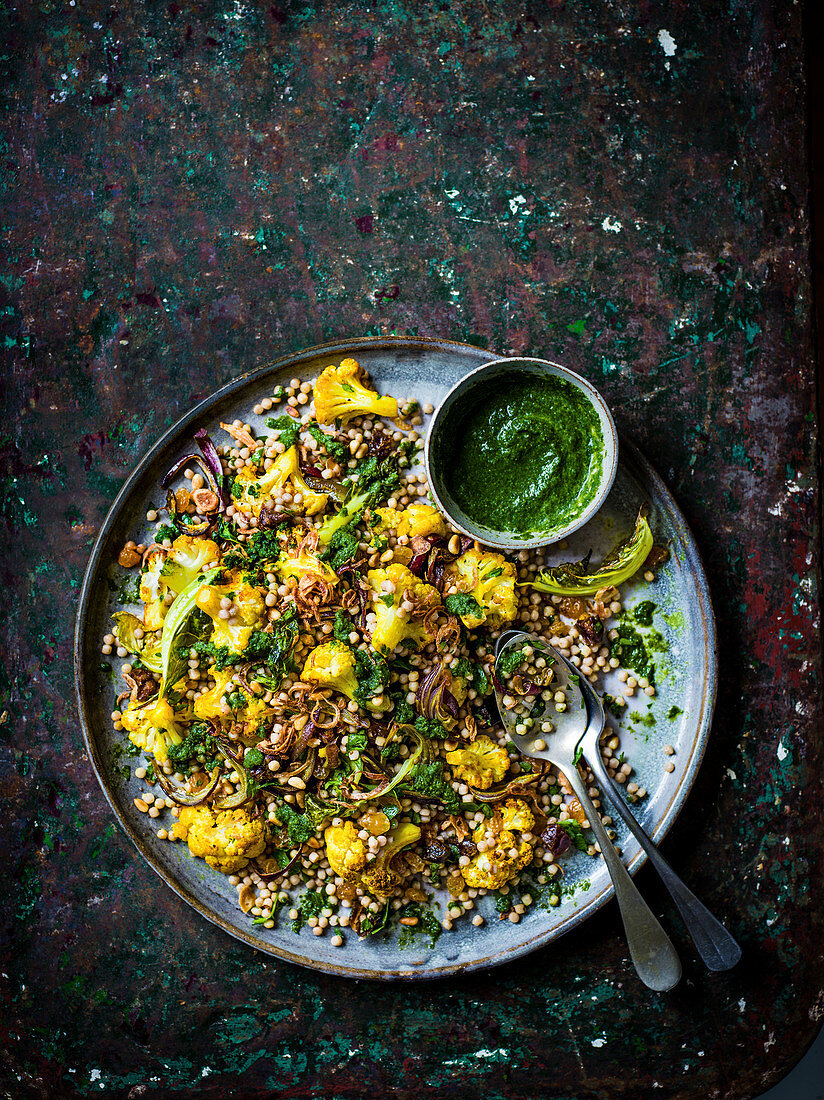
<point x="521" y="452"/>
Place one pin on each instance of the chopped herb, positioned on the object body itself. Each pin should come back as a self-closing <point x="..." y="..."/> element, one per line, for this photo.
<point x="371" y="923"/>
<point x="288" y="427"/>
<point x="328" y="442"/>
<point x="575" y="834"/>
<point x="428" y="924"/>
<point x="461" y="603"/>
<point x="129" y="590"/>
<point x="309" y="905"/>
<point x="643" y="613"/>
<point x="297" y="825"/>
<point x="343" y="626"/>
<point x="673" y="713"/>
<point x="509" y="661"/>
<point x="372" y="673"/>
<point x="226" y="531"/>
<point x="198" y="746"/>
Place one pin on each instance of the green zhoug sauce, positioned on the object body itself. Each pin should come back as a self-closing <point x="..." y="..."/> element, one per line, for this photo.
<point x="526" y="456"/>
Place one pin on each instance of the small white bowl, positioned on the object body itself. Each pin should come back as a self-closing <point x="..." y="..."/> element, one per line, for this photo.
<point x="435" y="453"/>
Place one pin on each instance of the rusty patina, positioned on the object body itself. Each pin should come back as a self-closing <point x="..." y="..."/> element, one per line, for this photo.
<point x="194" y="188"/>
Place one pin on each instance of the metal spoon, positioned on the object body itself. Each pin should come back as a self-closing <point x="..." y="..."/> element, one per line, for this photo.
<point x="652" y="953"/>
<point x="713" y="942"/>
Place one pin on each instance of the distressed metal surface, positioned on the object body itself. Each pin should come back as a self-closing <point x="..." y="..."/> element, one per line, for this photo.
<point x="191" y="189"/>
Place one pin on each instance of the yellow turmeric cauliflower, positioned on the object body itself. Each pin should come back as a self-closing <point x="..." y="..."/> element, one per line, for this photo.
<point x="340" y="393"/>
<point x="395" y="625"/>
<point x="153" y="589"/>
<point x="516" y="814"/>
<point x="153" y="727"/>
<point x="208" y="705"/>
<point x="284" y="475"/>
<point x="333" y="665"/>
<point x="226" y="839"/>
<point x="383" y="875"/>
<point x="187" y="557"/>
<point x="490" y="579"/>
<point x="481" y="763"/>
<point x="416" y="519"/>
<point x="299" y="564"/>
<point x="345" y="850"/>
<point x="506" y="854"/>
<point x="245" y="613"/>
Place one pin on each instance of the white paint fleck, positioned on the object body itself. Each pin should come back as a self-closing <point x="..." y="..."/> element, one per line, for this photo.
<point x="599" y="1042"/>
<point x="611" y="226"/>
<point x="667" y="43"/>
<point x="95" y="1075"/>
<point x="781" y="753"/>
<point x="731" y="774"/>
<point x="516" y="202"/>
<point x="742" y="1004"/>
<point x="451" y="194"/>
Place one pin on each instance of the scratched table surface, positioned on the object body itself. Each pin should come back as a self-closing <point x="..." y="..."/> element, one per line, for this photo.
<point x="193" y="188"/>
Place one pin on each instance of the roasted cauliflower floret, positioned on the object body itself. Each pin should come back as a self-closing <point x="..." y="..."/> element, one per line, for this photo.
<point x="283" y="475"/>
<point x="345" y="850"/>
<point x="341" y="394"/>
<point x="303" y="564"/>
<point x="506" y="853"/>
<point x="187" y="557"/>
<point x="332" y="665"/>
<point x="481" y="763"/>
<point x="153" y="727"/>
<point x="392" y="587"/>
<point x="209" y="705"/>
<point x="153" y="589"/>
<point x="490" y="580"/>
<point x="244" y="614"/>
<point x="416" y="519"/>
<point x="226" y="839"/>
<point x="383" y="876"/>
<point x="516" y="814"/>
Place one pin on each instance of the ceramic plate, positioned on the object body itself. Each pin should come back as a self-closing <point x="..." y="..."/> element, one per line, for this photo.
<point x="686" y="677"/>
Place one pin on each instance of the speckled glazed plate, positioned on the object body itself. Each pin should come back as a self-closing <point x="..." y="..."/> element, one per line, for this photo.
<point x="686" y="678"/>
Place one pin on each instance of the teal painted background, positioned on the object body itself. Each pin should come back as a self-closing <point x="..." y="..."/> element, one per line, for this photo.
<point x="189" y="190"/>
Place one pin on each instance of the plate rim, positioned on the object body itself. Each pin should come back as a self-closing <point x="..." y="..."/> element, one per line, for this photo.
<point x="409" y="972"/>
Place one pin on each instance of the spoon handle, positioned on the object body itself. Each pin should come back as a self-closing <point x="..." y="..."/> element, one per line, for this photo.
<point x="713" y="942"/>
<point x="652" y="953"/>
